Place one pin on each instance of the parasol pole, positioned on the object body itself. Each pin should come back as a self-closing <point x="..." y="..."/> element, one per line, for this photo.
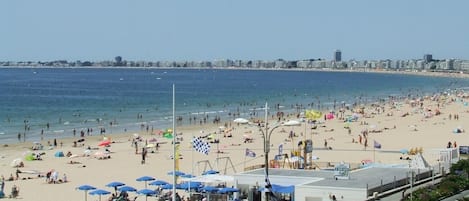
<point x="174" y="144"/>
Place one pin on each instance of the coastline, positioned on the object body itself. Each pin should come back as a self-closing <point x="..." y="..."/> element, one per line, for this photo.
<point x="125" y="166"/>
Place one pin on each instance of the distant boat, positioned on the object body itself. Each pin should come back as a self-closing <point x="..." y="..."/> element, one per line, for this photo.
<point x="158" y="78"/>
<point x="121" y="79"/>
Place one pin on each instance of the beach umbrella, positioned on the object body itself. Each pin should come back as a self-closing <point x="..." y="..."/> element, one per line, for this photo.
<point x="189" y="185"/>
<point x="177" y="173"/>
<point x="210" y="189"/>
<point x="167" y="186"/>
<point x="187" y="176"/>
<point x="146" y="192"/>
<point x="210" y="172"/>
<point x="127" y="189"/>
<point x="86" y="188"/>
<point x="115" y="184"/>
<point x="145" y="179"/>
<point x="158" y="183"/>
<point x="104" y="143"/>
<point x="99" y="192"/>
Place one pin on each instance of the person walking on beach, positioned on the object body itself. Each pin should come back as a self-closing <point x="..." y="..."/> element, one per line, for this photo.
<point x="144" y="155"/>
<point x="2" y="184"/>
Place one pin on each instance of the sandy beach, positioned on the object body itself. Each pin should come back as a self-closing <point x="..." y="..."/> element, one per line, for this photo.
<point x="427" y="124"/>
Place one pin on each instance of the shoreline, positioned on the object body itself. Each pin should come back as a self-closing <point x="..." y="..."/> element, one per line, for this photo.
<point x="453" y="74"/>
<point x="413" y="130"/>
<point x="53" y="134"/>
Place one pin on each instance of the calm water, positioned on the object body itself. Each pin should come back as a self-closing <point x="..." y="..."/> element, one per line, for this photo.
<point x="68" y="99"/>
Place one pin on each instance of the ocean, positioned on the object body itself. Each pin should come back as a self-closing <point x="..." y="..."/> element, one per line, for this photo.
<point x="56" y="101"/>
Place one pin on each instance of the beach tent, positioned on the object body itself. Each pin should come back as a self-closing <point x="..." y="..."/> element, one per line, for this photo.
<point x="59" y="154"/>
<point x="29" y="157"/>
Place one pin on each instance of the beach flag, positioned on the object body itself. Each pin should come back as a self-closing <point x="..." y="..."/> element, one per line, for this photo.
<point x="250" y="153"/>
<point x="200" y="145"/>
<point x="377" y="145"/>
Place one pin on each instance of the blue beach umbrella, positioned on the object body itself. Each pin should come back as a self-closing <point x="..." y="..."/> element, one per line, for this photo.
<point x="86" y="188"/>
<point x="146" y="192"/>
<point x="167" y="186"/>
<point x="210" y="172"/>
<point x="187" y="176"/>
<point x="115" y="184"/>
<point x="99" y="192"/>
<point x="189" y="185"/>
<point x="210" y="189"/>
<point x="145" y="179"/>
<point x="178" y="173"/>
<point x="158" y="183"/>
<point x="127" y="189"/>
<point x="228" y="190"/>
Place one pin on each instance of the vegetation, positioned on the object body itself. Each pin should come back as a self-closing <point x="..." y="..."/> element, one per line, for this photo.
<point x="455" y="182"/>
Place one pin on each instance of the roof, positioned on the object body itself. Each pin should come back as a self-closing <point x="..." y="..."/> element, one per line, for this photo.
<point x="358" y="178"/>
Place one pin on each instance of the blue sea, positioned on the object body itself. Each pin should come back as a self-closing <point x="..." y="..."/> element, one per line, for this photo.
<point x="56" y="101"/>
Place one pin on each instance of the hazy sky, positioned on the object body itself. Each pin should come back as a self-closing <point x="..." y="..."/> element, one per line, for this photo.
<point x="237" y="29"/>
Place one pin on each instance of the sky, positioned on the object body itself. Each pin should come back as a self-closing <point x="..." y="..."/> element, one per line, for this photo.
<point x="196" y="30"/>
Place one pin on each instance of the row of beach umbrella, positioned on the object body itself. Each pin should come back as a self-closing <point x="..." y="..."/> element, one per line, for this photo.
<point x="119" y="186"/>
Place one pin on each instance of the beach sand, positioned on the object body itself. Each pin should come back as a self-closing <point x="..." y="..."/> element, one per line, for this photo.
<point x="393" y="131"/>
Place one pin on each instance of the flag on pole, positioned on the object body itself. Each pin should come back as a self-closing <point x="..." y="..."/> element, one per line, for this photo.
<point x="250" y="153"/>
<point x="200" y="145"/>
<point x="377" y="145"/>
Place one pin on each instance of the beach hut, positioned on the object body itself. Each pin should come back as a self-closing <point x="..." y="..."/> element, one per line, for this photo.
<point x="59" y="154"/>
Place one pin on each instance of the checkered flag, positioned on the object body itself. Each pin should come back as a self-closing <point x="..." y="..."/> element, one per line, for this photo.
<point x="200" y="145"/>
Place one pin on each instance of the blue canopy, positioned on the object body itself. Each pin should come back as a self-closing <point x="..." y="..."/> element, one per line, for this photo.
<point x="99" y="192"/>
<point x="167" y="186"/>
<point x="211" y="189"/>
<point x="158" y="183"/>
<point x="178" y="173"/>
<point x="115" y="184"/>
<point x="187" y="176"/>
<point x="187" y="185"/>
<point x="145" y="178"/>
<point x="127" y="189"/>
<point x="210" y="172"/>
<point x="86" y="187"/>
<point x="146" y="192"/>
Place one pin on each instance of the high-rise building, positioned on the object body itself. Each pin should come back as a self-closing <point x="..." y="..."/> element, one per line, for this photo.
<point x="337" y="55"/>
<point x="427" y="58"/>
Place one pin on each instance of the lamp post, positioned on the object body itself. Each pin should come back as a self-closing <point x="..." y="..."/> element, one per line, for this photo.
<point x="266" y="135"/>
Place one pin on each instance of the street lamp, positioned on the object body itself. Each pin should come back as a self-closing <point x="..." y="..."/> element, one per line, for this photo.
<point x="266" y="135"/>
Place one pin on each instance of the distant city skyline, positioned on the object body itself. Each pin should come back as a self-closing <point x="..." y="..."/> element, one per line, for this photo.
<point x="211" y="30"/>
